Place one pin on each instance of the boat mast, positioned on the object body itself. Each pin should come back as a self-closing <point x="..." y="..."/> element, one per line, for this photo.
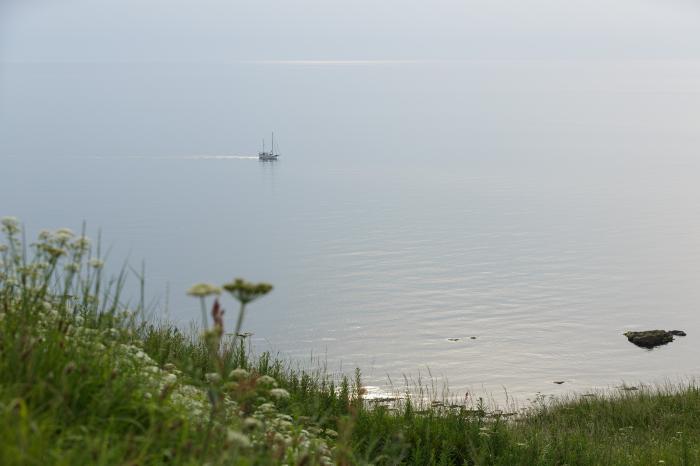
<point x="273" y="144"/>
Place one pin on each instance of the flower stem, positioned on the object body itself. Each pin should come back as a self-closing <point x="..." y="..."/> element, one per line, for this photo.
<point x="239" y="323"/>
<point x="204" y="314"/>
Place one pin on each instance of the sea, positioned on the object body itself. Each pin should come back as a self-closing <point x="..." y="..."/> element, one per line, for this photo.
<point x="482" y="228"/>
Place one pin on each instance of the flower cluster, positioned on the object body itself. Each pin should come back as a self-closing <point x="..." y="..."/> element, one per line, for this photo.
<point x="268" y="427"/>
<point x="246" y="292"/>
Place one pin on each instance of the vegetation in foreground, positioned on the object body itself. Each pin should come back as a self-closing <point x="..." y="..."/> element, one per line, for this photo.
<point x="85" y="380"/>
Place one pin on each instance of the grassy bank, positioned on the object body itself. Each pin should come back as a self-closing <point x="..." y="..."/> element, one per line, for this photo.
<point x="84" y="380"/>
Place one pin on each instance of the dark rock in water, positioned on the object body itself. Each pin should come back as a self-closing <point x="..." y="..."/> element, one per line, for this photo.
<point x="473" y="338"/>
<point x="558" y="382"/>
<point x="453" y="339"/>
<point x="628" y="388"/>
<point x="678" y="333"/>
<point x="649" y="338"/>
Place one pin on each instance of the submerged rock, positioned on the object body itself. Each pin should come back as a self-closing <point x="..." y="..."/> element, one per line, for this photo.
<point x="651" y="338"/>
<point x="678" y="333"/>
<point x="453" y="339"/>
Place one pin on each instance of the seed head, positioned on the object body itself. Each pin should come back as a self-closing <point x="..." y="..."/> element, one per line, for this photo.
<point x="201" y="290"/>
<point x="10" y="225"/>
<point x="246" y="292"/>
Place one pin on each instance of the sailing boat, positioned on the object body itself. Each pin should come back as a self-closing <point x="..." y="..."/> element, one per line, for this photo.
<point x="264" y="155"/>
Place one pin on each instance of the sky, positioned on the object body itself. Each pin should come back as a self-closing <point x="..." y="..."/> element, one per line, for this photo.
<point x="259" y="30"/>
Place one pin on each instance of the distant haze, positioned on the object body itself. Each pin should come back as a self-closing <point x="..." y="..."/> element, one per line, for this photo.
<point x="225" y="31"/>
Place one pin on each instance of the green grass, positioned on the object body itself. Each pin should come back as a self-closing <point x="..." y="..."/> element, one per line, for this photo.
<point x="85" y="380"/>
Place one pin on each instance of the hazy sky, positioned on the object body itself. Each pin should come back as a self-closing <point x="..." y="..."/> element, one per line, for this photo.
<point x="221" y="31"/>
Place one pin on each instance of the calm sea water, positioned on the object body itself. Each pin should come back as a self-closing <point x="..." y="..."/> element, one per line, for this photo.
<point x="541" y="207"/>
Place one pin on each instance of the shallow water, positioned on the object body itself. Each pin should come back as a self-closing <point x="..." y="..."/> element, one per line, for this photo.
<point x="414" y="202"/>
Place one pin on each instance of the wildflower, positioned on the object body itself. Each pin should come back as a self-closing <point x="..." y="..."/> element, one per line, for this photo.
<point x="202" y="290"/>
<point x="53" y="251"/>
<point x="170" y="379"/>
<point x="237" y="439"/>
<point x="330" y="433"/>
<point x="266" y="381"/>
<point x="3" y="247"/>
<point x="44" y="235"/>
<point x="279" y="394"/>
<point x="25" y="271"/>
<point x="267" y="408"/>
<point x="246" y="292"/>
<point x="96" y="263"/>
<point x="63" y="234"/>
<point x="72" y="268"/>
<point x="279" y="438"/>
<point x="230" y="386"/>
<point x="213" y="377"/>
<point x="40" y="266"/>
<point x="251" y="423"/>
<point x="10" y="225"/>
<point x="238" y="374"/>
<point x="281" y="424"/>
<point x="81" y="244"/>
